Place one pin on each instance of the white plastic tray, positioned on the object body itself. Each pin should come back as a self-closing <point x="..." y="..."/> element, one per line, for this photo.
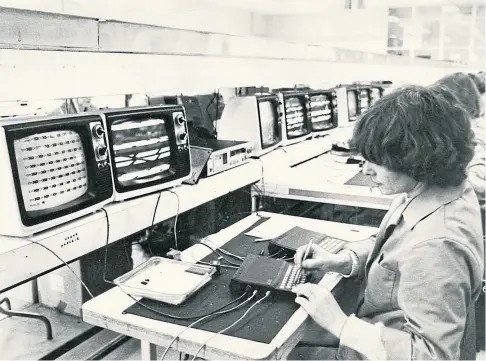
<point x="165" y="280"/>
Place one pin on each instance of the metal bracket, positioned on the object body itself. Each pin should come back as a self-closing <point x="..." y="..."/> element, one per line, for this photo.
<point x="37" y="316"/>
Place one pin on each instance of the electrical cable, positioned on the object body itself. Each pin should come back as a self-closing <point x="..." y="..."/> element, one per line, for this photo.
<point x="153" y="220"/>
<point x="222" y="250"/>
<point x="221" y="265"/>
<point x="140" y="303"/>
<point x="176" y="218"/>
<point x="65" y="264"/>
<point x="267" y="294"/>
<point x="215" y="251"/>
<point x="263" y="184"/>
<point x="205" y="317"/>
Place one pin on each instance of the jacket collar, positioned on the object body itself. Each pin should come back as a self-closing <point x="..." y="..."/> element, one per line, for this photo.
<point x="428" y="200"/>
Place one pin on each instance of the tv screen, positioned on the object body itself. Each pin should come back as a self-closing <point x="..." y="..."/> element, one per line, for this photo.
<point x="270" y="132"/>
<point x="52" y="169"/>
<point x="375" y="95"/>
<point x="352" y="104"/>
<point x="295" y="117"/>
<point x="321" y="112"/>
<point x="364" y="100"/>
<point x="142" y="150"/>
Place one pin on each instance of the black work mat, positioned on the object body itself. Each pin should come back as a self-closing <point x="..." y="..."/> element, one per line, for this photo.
<point x="361" y="180"/>
<point x="262" y="323"/>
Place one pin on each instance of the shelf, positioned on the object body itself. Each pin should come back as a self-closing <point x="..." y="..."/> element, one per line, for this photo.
<point x="22" y="259"/>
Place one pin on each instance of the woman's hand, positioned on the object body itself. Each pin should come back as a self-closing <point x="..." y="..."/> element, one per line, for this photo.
<point x="320" y="259"/>
<point x="321" y="305"/>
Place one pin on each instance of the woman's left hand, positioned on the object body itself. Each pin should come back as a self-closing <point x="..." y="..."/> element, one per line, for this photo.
<point x="321" y="305"/>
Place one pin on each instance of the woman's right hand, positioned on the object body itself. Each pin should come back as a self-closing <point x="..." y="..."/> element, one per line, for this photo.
<point x="320" y="259"/>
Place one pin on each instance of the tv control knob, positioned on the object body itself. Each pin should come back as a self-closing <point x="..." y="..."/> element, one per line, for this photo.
<point x="179" y="119"/>
<point x="102" y="150"/>
<point x="98" y="131"/>
<point x="182" y="137"/>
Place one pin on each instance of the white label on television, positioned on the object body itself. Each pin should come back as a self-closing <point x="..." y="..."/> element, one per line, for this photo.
<point x="52" y="169"/>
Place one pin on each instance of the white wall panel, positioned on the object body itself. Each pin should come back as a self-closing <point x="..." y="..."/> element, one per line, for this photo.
<point x="355" y="29"/>
<point x="35" y="29"/>
<point x="184" y="14"/>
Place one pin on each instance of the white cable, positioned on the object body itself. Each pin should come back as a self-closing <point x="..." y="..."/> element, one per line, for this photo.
<point x="208" y="240"/>
<point x="176" y="218"/>
<point x="205" y="317"/>
<point x="65" y="263"/>
<point x="233" y="324"/>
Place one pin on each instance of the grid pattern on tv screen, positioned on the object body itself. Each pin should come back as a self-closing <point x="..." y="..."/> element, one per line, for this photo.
<point x="52" y="169"/>
<point x="364" y="102"/>
<point x="295" y="117"/>
<point x="142" y="150"/>
<point x="321" y="111"/>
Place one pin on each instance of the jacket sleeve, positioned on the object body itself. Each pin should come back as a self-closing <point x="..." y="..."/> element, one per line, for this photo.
<point x="434" y="294"/>
<point x="362" y="249"/>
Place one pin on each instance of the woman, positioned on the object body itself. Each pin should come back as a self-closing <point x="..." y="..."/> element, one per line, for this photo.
<point x="422" y="273"/>
<point x="465" y="90"/>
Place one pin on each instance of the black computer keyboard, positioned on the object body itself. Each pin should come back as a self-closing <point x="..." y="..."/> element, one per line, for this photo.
<point x="298" y="237"/>
<point x="332" y="245"/>
<point x="267" y="273"/>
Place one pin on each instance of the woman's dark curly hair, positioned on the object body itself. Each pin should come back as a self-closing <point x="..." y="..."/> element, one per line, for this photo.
<point x="464" y="88"/>
<point x="418" y="131"/>
<point x="478" y="81"/>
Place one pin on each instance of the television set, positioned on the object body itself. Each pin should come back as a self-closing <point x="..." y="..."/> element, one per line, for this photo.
<point x="364" y="99"/>
<point x="322" y="111"/>
<point x="376" y="92"/>
<point x="253" y="118"/>
<point x="296" y="124"/>
<point x="149" y="148"/>
<point x="54" y="169"/>
<point x="348" y="104"/>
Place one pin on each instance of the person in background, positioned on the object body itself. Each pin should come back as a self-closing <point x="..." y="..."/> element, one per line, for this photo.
<point x="422" y="272"/>
<point x="478" y="80"/>
<point x="464" y="89"/>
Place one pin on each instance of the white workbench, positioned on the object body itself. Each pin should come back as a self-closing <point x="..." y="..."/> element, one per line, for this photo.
<point x="22" y="259"/>
<point x="321" y="180"/>
<point x="107" y="309"/>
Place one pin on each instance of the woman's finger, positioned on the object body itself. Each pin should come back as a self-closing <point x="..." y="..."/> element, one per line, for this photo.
<point x="304" y="289"/>
<point x="304" y="302"/>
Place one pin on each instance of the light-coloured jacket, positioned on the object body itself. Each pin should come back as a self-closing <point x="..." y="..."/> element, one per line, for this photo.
<point x="422" y="278"/>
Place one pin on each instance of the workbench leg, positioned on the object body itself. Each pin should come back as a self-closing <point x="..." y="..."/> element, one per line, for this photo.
<point x="254" y="203"/>
<point x="149" y="350"/>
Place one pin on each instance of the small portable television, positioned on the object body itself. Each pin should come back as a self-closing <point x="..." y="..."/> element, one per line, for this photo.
<point x="296" y="125"/>
<point x="149" y="147"/>
<point x="253" y="118"/>
<point x="348" y="104"/>
<point x="54" y="170"/>
<point x="376" y="92"/>
<point x="322" y="111"/>
<point x="364" y="99"/>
